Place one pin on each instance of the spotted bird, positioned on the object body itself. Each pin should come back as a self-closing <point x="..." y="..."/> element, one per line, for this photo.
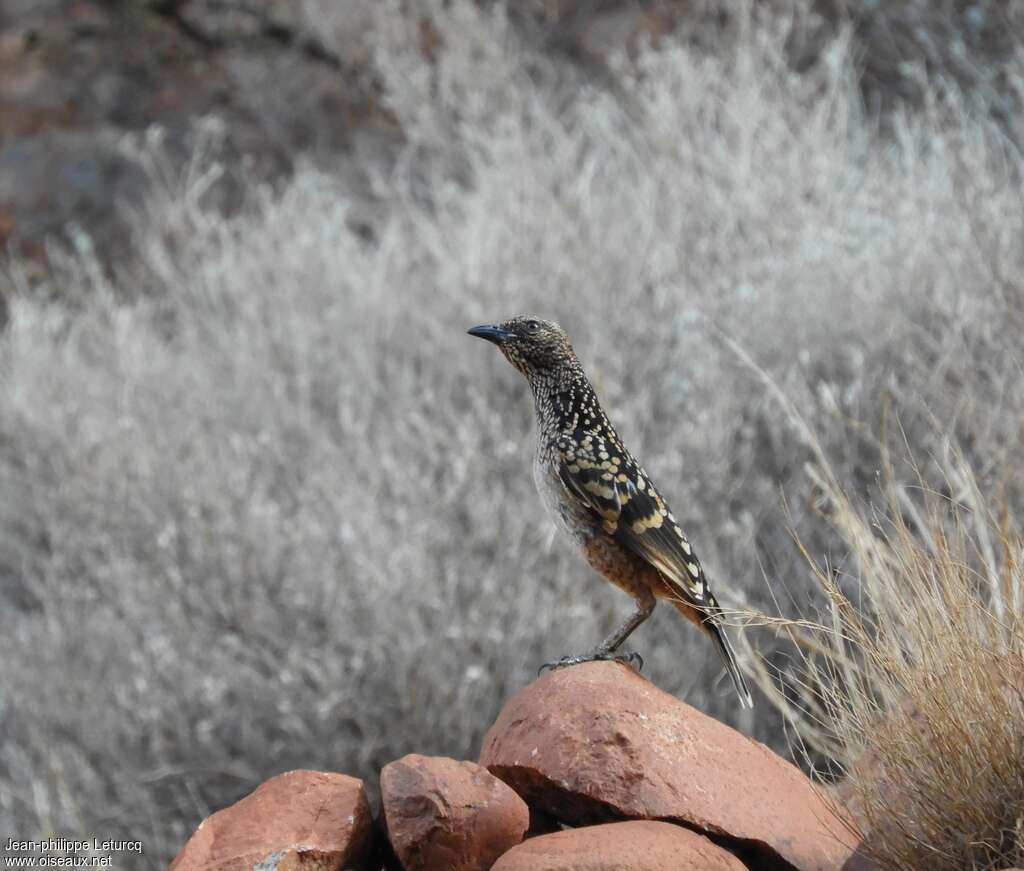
<point x="595" y="490"/>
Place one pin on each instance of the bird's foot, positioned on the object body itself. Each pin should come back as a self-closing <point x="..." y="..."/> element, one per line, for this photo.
<point x="629" y="657"/>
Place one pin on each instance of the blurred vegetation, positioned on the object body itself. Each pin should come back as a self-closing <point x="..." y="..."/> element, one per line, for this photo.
<point x="264" y="505"/>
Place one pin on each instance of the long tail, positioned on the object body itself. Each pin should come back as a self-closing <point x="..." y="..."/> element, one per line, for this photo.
<point x="717" y="634"/>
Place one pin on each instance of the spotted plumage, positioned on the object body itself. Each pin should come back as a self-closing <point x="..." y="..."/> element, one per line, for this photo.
<point x="594" y="488"/>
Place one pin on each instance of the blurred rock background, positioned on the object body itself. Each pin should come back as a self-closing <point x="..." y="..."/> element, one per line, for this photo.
<point x="296" y="81"/>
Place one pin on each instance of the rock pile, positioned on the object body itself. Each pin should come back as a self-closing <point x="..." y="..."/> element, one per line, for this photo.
<point x="644" y="781"/>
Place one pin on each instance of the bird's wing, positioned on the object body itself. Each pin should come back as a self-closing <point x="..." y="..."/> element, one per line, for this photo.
<point x="605" y="478"/>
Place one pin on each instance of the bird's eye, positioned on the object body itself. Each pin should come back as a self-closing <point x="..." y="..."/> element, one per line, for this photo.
<point x="532" y="326"/>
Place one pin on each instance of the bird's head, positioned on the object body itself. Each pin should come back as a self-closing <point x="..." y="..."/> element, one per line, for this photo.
<point x="534" y="346"/>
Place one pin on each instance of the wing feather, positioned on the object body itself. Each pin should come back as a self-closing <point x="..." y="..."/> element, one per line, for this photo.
<point x="606" y="478"/>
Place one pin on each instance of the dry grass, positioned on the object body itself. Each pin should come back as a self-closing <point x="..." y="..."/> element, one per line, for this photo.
<point x="920" y="690"/>
<point x="912" y="685"/>
<point x="264" y="505"/>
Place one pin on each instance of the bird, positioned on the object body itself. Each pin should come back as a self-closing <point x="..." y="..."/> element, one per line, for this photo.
<point x="597" y="492"/>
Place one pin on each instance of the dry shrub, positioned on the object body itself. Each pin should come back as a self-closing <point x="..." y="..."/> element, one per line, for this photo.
<point x="915" y="685"/>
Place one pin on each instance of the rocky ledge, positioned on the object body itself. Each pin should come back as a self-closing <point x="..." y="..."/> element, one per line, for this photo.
<point x="587" y="768"/>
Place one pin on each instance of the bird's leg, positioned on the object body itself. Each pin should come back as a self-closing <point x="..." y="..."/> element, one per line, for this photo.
<point x="645" y="603"/>
<point x="644" y="606"/>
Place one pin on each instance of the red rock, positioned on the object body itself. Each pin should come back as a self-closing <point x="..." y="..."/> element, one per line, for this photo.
<point x="598" y="742"/>
<point x="444" y="814"/>
<point x="308" y="820"/>
<point x="639" y="845"/>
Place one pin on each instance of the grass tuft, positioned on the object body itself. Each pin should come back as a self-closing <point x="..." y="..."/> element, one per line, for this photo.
<point x="912" y="683"/>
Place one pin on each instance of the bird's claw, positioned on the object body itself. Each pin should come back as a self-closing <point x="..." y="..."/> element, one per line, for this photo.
<point x="630" y="657"/>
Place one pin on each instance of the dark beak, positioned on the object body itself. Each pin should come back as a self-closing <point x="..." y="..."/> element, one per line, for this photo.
<point x="492" y="334"/>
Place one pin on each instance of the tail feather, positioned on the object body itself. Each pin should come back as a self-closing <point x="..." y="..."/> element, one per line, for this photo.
<point x="721" y="640"/>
